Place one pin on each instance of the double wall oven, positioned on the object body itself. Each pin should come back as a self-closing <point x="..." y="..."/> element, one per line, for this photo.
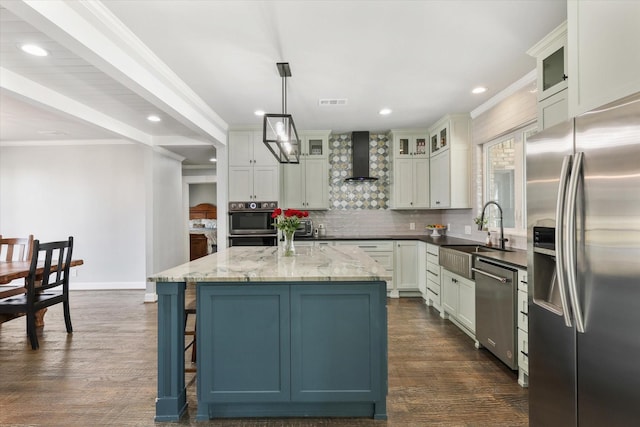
<point x="250" y="224"/>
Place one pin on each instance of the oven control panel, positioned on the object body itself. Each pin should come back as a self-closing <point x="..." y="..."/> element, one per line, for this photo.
<point x="252" y="206"/>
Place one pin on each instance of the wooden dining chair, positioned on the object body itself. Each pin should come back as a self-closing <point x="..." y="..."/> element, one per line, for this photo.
<point x="52" y="281"/>
<point x="16" y="248"/>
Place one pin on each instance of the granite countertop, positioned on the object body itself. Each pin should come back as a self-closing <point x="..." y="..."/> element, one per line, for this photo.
<point x="266" y="264"/>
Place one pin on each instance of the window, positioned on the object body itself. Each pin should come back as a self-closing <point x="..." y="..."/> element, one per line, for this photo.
<point x="504" y="179"/>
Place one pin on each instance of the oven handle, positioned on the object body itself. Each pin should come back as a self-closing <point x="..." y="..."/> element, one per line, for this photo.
<point x="493" y="276"/>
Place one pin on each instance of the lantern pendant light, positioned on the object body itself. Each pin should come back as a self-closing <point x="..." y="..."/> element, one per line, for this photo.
<point x="279" y="132"/>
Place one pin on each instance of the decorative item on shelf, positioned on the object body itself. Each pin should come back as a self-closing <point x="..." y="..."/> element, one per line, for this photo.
<point x="480" y="222"/>
<point x="279" y="132"/>
<point x="436" y="229"/>
<point x="288" y="221"/>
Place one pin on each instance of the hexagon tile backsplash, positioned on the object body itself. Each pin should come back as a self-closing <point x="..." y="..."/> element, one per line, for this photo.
<point x="358" y="195"/>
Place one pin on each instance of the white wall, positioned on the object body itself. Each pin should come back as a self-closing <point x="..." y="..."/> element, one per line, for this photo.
<point x="95" y="193"/>
<point x="165" y="219"/>
<point x="121" y="202"/>
<point x="202" y="193"/>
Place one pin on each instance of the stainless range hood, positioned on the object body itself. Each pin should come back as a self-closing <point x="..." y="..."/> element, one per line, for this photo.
<point x="360" y="157"/>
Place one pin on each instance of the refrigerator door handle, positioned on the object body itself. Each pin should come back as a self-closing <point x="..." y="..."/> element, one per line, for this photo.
<point x="571" y="241"/>
<point x="559" y="243"/>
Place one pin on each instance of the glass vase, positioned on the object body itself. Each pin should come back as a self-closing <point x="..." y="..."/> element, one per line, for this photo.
<point x="289" y="248"/>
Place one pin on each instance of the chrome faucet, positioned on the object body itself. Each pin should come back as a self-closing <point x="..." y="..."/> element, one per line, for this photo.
<point x="502" y="239"/>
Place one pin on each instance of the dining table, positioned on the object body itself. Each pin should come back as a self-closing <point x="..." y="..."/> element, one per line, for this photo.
<point x="13" y="270"/>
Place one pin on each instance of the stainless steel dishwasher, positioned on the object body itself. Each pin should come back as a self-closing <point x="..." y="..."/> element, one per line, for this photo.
<point x="496" y="296"/>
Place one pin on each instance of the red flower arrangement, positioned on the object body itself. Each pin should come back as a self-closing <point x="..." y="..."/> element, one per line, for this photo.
<point x="288" y="220"/>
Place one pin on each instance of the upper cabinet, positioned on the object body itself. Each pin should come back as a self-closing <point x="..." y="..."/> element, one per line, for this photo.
<point x="450" y="169"/>
<point x="551" y="55"/>
<point x="306" y="185"/>
<point x="604" y="52"/>
<point x="253" y="170"/>
<point x="551" y="62"/>
<point x="409" y="169"/>
<point x="410" y="144"/>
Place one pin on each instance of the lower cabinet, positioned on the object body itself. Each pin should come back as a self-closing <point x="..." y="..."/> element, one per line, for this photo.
<point x="523" y="329"/>
<point x="433" y="297"/>
<point x="408" y="268"/>
<point x="380" y="250"/>
<point x="459" y="301"/>
<point x="276" y="349"/>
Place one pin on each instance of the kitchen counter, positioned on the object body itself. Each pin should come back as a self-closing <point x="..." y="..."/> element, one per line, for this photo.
<point x="516" y="257"/>
<point x="282" y="337"/>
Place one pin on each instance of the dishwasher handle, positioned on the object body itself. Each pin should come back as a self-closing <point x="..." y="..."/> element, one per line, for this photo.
<point x="493" y="276"/>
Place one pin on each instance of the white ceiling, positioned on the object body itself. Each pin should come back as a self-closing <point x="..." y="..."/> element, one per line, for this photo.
<point x="205" y="66"/>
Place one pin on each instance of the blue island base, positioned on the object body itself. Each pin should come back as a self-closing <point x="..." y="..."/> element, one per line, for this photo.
<point x="377" y="410"/>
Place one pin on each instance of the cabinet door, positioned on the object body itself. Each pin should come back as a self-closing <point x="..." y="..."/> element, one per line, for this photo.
<point x="241" y="149"/>
<point x="329" y="317"/>
<point x="265" y="183"/>
<point x="467" y="304"/>
<point x="293" y="186"/>
<point x="240" y="183"/>
<point x="604" y="59"/>
<point x="450" y="291"/>
<point x="420" y="183"/>
<point x="403" y="183"/>
<point x="243" y="352"/>
<point x="553" y="110"/>
<point x="316" y="178"/>
<point x="440" y="180"/>
<point x="406" y="265"/>
<point x="316" y="146"/>
<point x="260" y="153"/>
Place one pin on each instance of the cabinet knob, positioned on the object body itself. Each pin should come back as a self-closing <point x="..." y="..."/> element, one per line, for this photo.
<point x="437" y="202"/>
<point x="565" y="77"/>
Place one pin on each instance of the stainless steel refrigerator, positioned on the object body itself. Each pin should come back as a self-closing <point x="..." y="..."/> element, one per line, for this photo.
<point x="583" y="215"/>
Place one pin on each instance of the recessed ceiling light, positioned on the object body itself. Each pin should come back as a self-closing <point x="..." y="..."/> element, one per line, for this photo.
<point x="384" y="111"/>
<point x="213" y="160"/>
<point x="154" y="118"/>
<point x="479" y="89"/>
<point x="34" y="50"/>
<point x="259" y="113"/>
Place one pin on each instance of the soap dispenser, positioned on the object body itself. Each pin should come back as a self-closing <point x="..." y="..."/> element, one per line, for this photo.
<point x="488" y="238"/>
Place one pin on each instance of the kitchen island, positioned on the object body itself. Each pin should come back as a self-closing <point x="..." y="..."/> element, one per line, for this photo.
<point x="277" y="336"/>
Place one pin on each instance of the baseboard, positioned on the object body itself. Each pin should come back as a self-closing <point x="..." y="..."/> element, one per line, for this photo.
<point x="102" y="286"/>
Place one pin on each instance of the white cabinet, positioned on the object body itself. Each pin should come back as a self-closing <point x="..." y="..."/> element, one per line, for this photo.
<point x="551" y="55"/>
<point x="604" y="54"/>
<point x="409" y="144"/>
<point x="440" y="180"/>
<point x="523" y="329"/>
<point x="410" y="170"/>
<point x="434" y="293"/>
<point x="253" y="170"/>
<point x="380" y="250"/>
<point x="407" y="268"/>
<point x="553" y="110"/>
<point x="459" y="301"/>
<point x="306" y="185"/>
<point x="450" y="175"/>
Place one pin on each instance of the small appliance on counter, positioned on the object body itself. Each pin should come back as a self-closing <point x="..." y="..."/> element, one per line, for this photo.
<point x="305" y="229"/>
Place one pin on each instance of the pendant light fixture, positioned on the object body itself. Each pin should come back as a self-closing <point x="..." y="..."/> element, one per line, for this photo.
<point x="279" y="132"/>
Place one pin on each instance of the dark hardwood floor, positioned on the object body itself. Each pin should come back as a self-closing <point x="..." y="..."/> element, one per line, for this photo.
<point x="104" y="374"/>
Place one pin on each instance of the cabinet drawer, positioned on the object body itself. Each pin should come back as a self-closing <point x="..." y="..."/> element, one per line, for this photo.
<point x="522" y="280"/>
<point x="523" y="350"/>
<point x="433" y="296"/>
<point x="434" y="286"/>
<point x="368" y="245"/>
<point x="523" y="310"/>
<point x="433" y="272"/>
<point x="433" y="254"/>
<point x="385" y="259"/>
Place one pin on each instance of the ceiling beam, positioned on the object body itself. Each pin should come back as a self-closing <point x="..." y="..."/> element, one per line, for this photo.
<point x="35" y="93"/>
<point x="92" y="32"/>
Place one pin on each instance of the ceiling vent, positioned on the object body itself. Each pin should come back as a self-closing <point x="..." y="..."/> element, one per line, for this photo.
<point x="331" y="102"/>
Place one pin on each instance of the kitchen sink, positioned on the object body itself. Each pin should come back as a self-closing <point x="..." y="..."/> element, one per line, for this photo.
<point x="459" y="259"/>
<point x="472" y="249"/>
